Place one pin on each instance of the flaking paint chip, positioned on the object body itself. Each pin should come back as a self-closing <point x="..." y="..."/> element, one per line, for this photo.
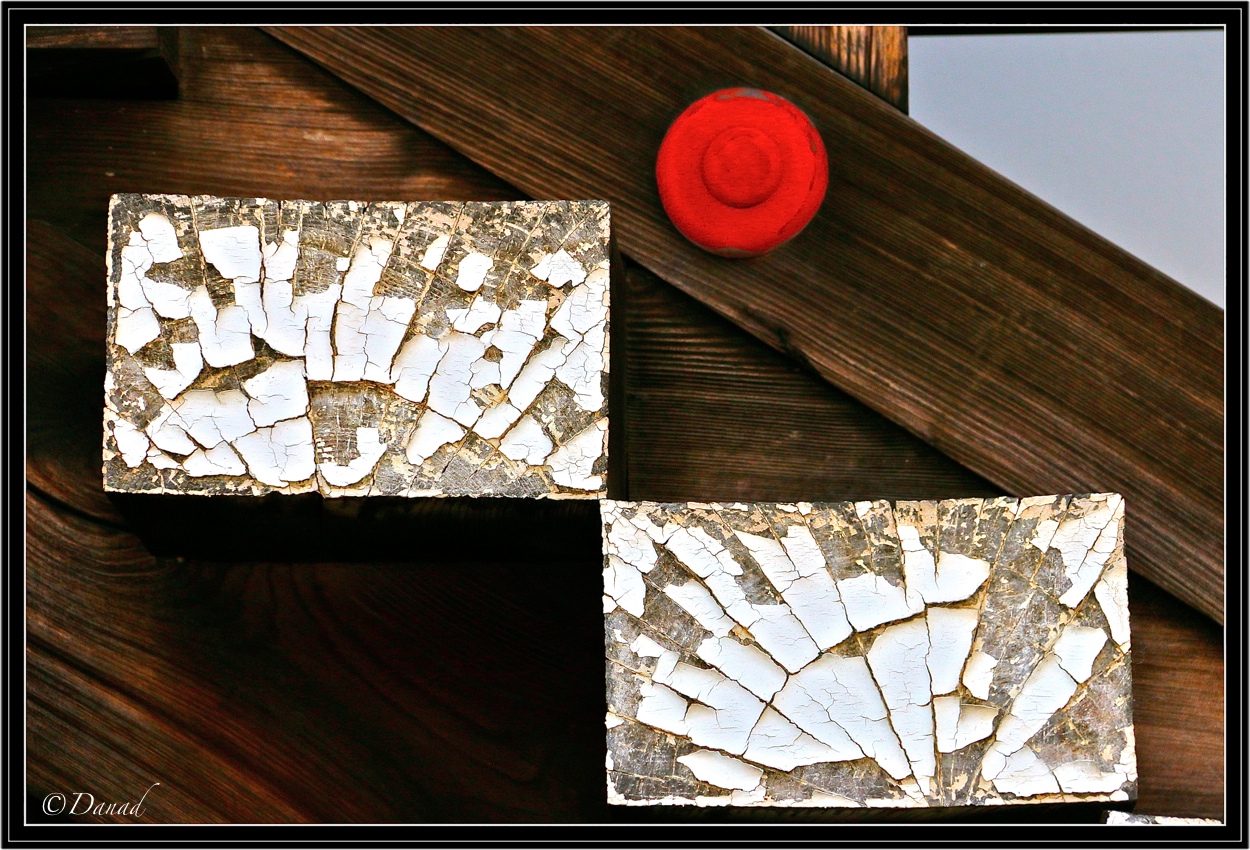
<point x="915" y="654"/>
<point x="352" y="348"/>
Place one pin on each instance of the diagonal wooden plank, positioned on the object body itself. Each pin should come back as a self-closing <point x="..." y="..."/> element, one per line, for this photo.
<point x="1008" y="336"/>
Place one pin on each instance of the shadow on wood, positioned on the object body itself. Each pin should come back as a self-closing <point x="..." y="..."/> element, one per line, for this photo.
<point x="116" y="63"/>
<point x="310" y="528"/>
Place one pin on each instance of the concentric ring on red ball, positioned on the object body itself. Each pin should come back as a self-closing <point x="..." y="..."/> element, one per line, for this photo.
<point x="742" y="167"/>
<point x="741" y="171"/>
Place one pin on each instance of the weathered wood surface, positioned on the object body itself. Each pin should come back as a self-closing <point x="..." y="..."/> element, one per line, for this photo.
<point x="920" y="654"/>
<point x="1117" y="817"/>
<point x="334" y="692"/>
<point x="874" y="57"/>
<point x="716" y="414"/>
<point x="352" y="348"/>
<point x="1000" y="331"/>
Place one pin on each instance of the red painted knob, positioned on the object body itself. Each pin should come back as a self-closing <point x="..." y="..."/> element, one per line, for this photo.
<point x="741" y="171"/>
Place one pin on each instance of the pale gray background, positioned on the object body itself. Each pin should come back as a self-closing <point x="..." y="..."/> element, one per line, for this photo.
<point x="1123" y="131"/>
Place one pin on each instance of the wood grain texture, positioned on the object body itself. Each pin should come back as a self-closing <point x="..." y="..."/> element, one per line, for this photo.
<point x="310" y="692"/>
<point x="998" y="330"/>
<point x="717" y="415"/>
<point x="315" y="692"/>
<point x="1178" y="697"/>
<point x="291" y="132"/>
<point x="65" y="370"/>
<point x="874" y="57"/>
<point x="93" y="37"/>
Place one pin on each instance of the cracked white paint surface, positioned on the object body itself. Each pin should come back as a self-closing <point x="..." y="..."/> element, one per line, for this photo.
<point x="281" y="453"/>
<point x="776" y="742"/>
<point x="950" y="637"/>
<point x="748" y="665"/>
<point x="958" y="725"/>
<point x="623" y="585"/>
<point x="697" y="601"/>
<point x="898" y="661"/>
<point x="721" y="770"/>
<point x="722" y="713"/>
<point x="558" y="269"/>
<point x="871" y="600"/>
<point x="572" y="464"/>
<point x="836" y="699"/>
<point x="132" y="442"/>
<point x="937" y="664"/>
<point x="979" y="673"/>
<point x="220" y="460"/>
<point x="950" y="578"/>
<point x="1112" y="594"/>
<point x="796" y="568"/>
<point x="1077" y="648"/>
<point x="1115" y="818"/>
<point x="387" y="348"/>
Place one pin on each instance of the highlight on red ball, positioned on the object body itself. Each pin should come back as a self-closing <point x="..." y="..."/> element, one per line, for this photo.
<point x="741" y="171"/>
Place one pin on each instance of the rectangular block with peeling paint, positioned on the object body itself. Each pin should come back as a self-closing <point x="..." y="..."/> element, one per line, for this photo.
<point x="917" y="654"/>
<point x="352" y="348"/>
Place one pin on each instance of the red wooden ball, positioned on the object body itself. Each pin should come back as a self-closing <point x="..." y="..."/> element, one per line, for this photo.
<point x="741" y="171"/>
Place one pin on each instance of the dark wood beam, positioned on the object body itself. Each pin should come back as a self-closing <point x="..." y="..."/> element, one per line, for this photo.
<point x="1007" y="335"/>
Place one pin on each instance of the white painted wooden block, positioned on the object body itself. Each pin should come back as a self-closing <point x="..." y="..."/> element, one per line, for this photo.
<point x="953" y="653"/>
<point x="352" y="348"/>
